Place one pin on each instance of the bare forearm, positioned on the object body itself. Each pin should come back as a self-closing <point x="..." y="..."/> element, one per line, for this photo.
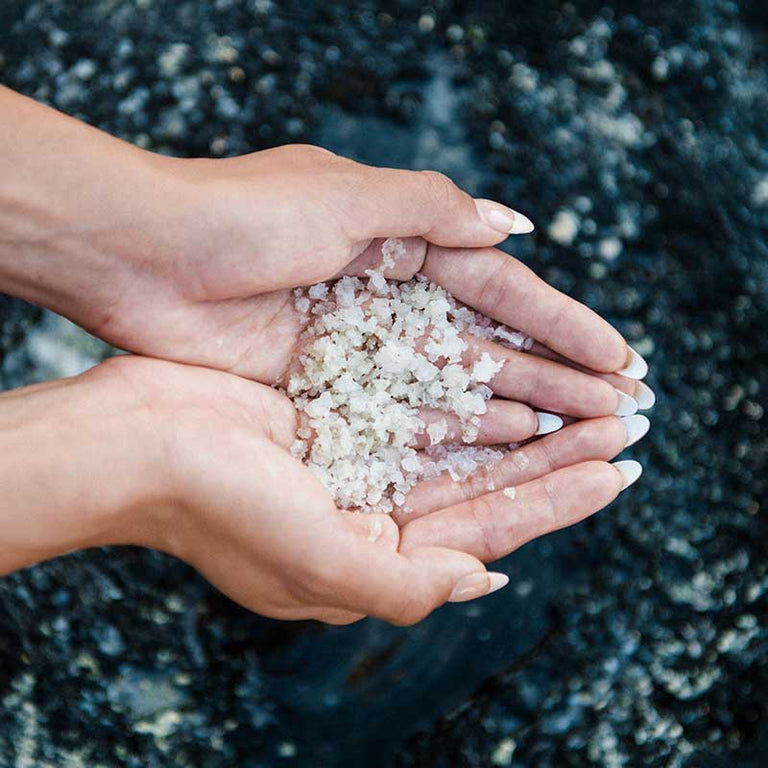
<point x="75" y="203"/>
<point x="71" y="473"/>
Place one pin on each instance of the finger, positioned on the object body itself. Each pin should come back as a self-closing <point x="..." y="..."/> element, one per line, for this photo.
<point x="337" y="618"/>
<point x="493" y="525"/>
<point x="401" y="258"/>
<point x="350" y="573"/>
<point x="501" y="287"/>
<point x="388" y="202"/>
<point x="326" y="615"/>
<point x="639" y="391"/>
<point x="503" y="422"/>
<point x="547" y="385"/>
<point x="592" y="440"/>
<point x="379" y="529"/>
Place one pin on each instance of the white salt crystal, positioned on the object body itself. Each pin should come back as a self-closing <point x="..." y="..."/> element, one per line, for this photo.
<point x="437" y="431"/>
<point x="366" y="369"/>
<point x="377" y="283"/>
<point x="392" y="249"/>
<point x="515" y="339"/>
<point x="510" y="493"/>
<point x="319" y="291"/>
<point x="410" y="463"/>
<point x="375" y="528"/>
<point x="486" y="368"/>
<point x="345" y="292"/>
<point x="455" y="376"/>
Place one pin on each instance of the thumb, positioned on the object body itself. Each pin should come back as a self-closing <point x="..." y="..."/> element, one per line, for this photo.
<point x="387" y="202"/>
<point x="404" y="588"/>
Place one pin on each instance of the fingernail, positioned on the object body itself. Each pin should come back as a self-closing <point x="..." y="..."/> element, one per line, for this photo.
<point x="627" y="405"/>
<point x="636" y="367"/>
<point x="629" y="470"/>
<point x="636" y="427"/>
<point x="475" y="585"/>
<point x="503" y="219"/>
<point x="548" y="422"/>
<point x="645" y="396"/>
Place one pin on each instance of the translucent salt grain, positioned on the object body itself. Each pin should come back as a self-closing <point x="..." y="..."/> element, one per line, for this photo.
<point x="437" y="431"/>
<point x="486" y="368"/>
<point x="510" y="493"/>
<point x="515" y="339"/>
<point x="392" y="249"/>
<point x="375" y="528"/>
<point x="319" y="291"/>
<point x="521" y="460"/>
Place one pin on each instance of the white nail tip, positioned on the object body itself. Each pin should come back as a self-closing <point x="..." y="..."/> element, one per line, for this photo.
<point x="548" y="422"/>
<point x="630" y="470"/>
<point x="498" y="580"/>
<point x="636" y="367"/>
<point x="627" y="405"/>
<point x="522" y="225"/>
<point x="645" y="396"/>
<point x="636" y="426"/>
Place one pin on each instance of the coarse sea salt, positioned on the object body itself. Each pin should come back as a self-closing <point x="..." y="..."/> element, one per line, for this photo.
<point x="375" y="352"/>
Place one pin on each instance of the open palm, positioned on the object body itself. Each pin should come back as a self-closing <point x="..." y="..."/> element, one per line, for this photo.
<point x="210" y="283"/>
<point x="262" y="527"/>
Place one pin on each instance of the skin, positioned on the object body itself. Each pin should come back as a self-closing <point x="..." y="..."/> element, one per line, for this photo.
<point x="196" y="462"/>
<point x="195" y="261"/>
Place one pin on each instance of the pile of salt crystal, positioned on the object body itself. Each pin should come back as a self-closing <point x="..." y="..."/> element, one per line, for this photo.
<point x="374" y="353"/>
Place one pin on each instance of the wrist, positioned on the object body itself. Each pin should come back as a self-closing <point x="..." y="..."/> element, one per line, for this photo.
<point x="80" y="468"/>
<point x="80" y="211"/>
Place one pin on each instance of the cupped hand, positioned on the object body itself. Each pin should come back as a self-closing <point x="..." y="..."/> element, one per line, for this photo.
<point x="210" y="281"/>
<point x="235" y="504"/>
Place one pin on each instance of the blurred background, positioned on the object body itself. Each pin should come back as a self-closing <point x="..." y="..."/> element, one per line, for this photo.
<point x="636" y="137"/>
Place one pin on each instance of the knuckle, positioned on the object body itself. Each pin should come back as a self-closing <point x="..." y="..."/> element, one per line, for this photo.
<point x="310" y="152"/>
<point x="342" y="619"/>
<point x="440" y="190"/>
<point x="558" y="316"/>
<point x="411" y="611"/>
<point x="318" y="582"/>
<point x="550" y="505"/>
<point x="476" y="484"/>
<point x="549" y="455"/>
<point x="495" y="292"/>
<point x="482" y="516"/>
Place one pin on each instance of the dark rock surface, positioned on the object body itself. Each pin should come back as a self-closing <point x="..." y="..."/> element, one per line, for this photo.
<point x="638" y="141"/>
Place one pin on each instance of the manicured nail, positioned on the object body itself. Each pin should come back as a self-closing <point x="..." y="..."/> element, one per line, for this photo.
<point x="636" y="427"/>
<point x="629" y="470"/>
<point x="548" y="422"/>
<point x="644" y="395"/>
<point x="627" y="405"/>
<point x="636" y="367"/>
<point x="475" y="585"/>
<point x="503" y="219"/>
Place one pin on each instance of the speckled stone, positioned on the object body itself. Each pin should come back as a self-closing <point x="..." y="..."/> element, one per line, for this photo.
<point x="636" y="140"/>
